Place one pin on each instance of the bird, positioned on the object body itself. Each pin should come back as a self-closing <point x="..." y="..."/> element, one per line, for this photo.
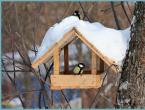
<point x="77" y="13"/>
<point x="78" y="69"/>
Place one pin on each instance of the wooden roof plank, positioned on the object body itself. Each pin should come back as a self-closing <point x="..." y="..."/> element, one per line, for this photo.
<point x="95" y="50"/>
<point x="66" y="37"/>
<point x="49" y="53"/>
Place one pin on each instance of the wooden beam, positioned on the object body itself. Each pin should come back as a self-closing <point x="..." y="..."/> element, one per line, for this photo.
<point x="43" y="57"/>
<point x="66" y="59"/>
<point x="56" y="61"/>
<point x="101" y="65"/>
<point x="50" y="52"/>
<point x="94" y="49"/>
<point x="65" y="39"/>
<point x="98" y="64"/>
<point x="85" y="72"/>
<point x="93" y="63"/>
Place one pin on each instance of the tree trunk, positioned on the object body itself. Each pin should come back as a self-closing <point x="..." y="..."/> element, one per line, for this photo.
<point x="131" y="90"/>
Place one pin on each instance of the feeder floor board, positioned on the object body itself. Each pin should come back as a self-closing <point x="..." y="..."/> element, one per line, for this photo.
<point x="59" y="82"/>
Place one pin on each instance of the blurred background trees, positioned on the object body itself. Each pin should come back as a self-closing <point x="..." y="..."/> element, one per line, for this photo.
<point x="24" y="25"/>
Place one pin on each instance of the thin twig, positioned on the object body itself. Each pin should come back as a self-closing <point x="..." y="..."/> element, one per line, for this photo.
<point x="9" y="97"/>
<point x="85" y="14"/>
<point x="67" y="10"/>
<point x="19" y="62"/>
<point x="11" y="71"/>
<point x="51" y="97"/>
<point x="107" y="9"/>
<point x="122" y="5"/>
<point x="17" y="67"/>
<point x="7" y="72"/>
<point x="17" y="18"/>
<point x="65" y="98"/>
<point x="39" y="100"/>
<point x="115" y="16"/>
<point x="13" y="82"/>
<point x="106" y="71"/>
<point x="129" y="8"/>
<point x="12" y="47"/>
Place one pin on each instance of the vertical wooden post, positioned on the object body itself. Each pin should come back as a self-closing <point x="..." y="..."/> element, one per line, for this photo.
<point x="56" y="61"/>
<point x="66" y="59"/>
<point x="101" y="65"/>
<point x="93" y="64"/>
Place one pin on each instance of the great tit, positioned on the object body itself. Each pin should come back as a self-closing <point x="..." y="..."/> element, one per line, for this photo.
<point x="78" y="69"/>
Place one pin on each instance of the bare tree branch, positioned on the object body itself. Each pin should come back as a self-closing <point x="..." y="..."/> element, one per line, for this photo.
<point x="115" y="16"/>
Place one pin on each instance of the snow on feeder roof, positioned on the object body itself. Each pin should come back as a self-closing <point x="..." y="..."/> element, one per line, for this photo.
<point x="110" y="43"/>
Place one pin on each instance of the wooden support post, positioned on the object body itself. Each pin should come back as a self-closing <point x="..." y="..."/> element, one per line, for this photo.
<point x="93" y="63"/>
<point x="101" y="65"/>
<point x="66" y="59"/>
<point x="98" y="64"/>
<point x="56" y="61"/>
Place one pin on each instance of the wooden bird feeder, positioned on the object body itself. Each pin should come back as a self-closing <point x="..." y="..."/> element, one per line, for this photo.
<point x="67" y="80"/>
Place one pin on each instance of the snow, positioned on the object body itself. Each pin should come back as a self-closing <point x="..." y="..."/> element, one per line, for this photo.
<point x="110" y="42"/>
<point x="16" y="103"/>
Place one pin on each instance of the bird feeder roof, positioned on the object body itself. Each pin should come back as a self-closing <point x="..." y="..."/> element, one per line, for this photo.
<point x="109" y="44"/>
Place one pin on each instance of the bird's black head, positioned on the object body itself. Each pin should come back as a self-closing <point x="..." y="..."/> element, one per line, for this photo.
<point x="81" y="65"/>
<point x="76" y="13"/>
